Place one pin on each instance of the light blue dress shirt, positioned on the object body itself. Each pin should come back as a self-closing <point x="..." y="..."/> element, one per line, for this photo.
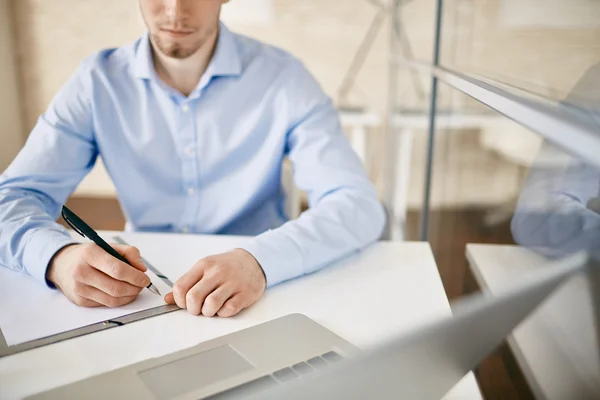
<point x="206" y="163"/>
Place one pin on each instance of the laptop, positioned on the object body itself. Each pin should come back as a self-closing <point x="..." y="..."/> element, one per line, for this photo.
<point x="293" y="357"/>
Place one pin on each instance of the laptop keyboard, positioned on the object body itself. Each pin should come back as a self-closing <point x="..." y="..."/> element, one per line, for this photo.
<point x="281" y="376"/>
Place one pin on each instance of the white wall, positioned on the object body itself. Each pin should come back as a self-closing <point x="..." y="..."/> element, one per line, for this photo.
<point x="12" y="136"/>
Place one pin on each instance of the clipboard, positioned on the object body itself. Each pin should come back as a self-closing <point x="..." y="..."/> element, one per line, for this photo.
<point x="6" y="350"/>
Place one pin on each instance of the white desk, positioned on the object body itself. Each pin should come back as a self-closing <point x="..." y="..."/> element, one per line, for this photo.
<point x="556" y="346"/>
<point x="388" y="288"/>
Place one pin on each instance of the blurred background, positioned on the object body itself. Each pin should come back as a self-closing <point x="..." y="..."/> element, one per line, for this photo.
<point x="422" y="88"/>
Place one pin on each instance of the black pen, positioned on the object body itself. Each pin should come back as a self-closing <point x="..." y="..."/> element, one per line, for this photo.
<point x="86" y="231"/>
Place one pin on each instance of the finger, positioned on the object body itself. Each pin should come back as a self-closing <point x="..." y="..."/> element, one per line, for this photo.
<point x="131" y="254"/>
<point x="185" y="283"/>
<point x="194" y="298"/>
<point x="234" y="305"/>
<point x="91" y="293"/>
<point x="215" y="300"/>
<point x="169" y="299"/>
<point x="83" y="302"/>
<point x="115" y="268"/>
<point x="112" y="287"/>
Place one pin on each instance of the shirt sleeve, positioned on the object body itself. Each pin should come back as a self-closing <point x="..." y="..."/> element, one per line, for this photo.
<point x="556" y="213"/>
<point x="345" y="214"/>
<point x="59" y="152"/>
<point x="552" y="214"/>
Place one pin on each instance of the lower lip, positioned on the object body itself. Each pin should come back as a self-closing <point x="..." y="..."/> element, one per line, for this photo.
<point x="177" y="34"/>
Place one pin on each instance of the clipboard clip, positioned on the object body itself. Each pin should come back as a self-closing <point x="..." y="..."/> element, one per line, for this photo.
<point x="111" y="321"/>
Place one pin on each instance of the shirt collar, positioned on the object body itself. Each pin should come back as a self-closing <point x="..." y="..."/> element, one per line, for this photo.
<point x="143" y="65"/>
<point x="224" y="62"/>
<point x="226" y="58"/>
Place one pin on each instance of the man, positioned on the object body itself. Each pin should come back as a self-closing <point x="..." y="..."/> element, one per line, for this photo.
<point x="192" y="123"/>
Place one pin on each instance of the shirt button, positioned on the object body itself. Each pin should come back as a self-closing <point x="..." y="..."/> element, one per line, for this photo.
<point x="191" y="191"/>
<point x="185" y="108"/>
<point x="185" y="229"/>
<point x="189" y="151"/>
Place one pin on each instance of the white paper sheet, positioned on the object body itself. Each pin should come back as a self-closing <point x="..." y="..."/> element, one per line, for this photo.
<point x="30" y="311"/>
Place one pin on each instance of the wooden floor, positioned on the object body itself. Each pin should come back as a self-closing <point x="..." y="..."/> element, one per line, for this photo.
<point x="499" y="376"/>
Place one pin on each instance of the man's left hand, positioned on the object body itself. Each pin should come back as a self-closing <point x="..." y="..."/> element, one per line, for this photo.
<point x="223" y="285"/>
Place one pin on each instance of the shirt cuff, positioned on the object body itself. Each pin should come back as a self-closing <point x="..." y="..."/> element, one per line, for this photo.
<point x="41" y="247"/>
<point x="279" y="256"/>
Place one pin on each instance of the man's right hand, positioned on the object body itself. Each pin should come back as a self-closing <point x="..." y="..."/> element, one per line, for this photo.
<point x="90" y="277"/>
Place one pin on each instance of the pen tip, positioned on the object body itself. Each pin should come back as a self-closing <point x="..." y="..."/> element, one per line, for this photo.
<point x="154" y="290"/>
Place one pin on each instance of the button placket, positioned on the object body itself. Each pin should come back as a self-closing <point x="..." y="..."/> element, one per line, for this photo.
<point x="189" y="167"/>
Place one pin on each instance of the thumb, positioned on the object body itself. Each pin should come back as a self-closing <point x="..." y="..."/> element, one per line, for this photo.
<point x="169" y="299"/>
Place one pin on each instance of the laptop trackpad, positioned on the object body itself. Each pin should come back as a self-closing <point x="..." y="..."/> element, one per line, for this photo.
<point x="194" y="372"/>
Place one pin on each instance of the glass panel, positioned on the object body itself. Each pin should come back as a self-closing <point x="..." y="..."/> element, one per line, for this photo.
<point x="502" y="193"/>
<point x="495" y="181"/>
<point x="575" y="129"/>
<point x="403" y="152"/>
<point x="548" y="52"/>
<point x="544" y="47"/>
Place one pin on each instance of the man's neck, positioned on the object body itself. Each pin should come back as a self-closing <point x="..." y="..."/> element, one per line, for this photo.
<point x="184" y="74"/>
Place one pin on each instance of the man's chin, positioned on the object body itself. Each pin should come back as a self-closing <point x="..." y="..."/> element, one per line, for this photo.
<point x="175" y="50"/>
<point x="178" y="53"/>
